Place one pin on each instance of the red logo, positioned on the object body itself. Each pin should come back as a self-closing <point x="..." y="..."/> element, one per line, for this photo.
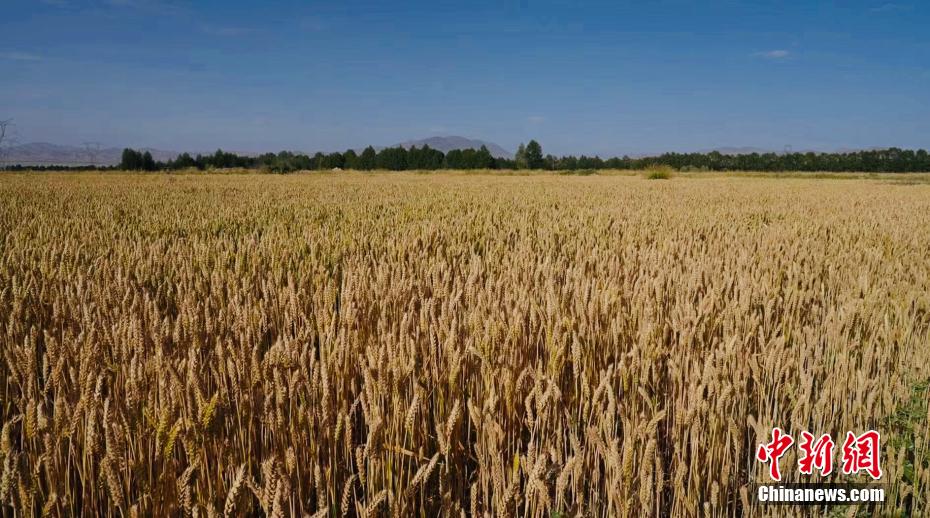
<point x="860" y="453"/>
<point x="816" y="454"/>
<point x="774" y="450"/>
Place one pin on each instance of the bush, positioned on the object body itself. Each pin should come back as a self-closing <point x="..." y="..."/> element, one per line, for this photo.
<point x="659" y="172"/>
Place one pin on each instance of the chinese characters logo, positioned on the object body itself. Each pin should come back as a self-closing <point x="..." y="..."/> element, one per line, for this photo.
<point x="860" y="453"/>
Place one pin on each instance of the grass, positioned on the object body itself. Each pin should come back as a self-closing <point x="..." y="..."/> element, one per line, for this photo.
<point x="909" y="426"/>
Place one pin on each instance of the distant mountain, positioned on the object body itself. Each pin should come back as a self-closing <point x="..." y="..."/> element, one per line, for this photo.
<point x="43" y="153"/>
<point x="46" y="154"/>
<point x="446" y="144"/>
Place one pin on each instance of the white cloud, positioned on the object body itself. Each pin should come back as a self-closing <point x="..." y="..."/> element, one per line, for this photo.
<point x="536" y="119"/>
<point x="19" y="56"/>
<point x="890" y="7"/>
<point x="774" y="54"/>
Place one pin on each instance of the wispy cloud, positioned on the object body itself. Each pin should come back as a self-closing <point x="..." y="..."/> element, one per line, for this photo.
<point x="890" y="7"/>
<point x="536" y="119"/>
<point x="19" y="56"/>
<point x="775" y="55"/>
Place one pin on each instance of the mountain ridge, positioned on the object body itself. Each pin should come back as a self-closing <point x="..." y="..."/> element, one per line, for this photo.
<point x="50" y="154"/>
<point x="47" y="154"/>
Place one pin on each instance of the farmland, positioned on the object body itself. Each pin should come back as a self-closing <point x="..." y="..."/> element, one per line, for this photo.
<point x="436" y="344"/>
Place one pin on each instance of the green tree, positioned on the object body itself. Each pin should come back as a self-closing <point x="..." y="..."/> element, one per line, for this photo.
<point x="131" y="160"/>
<point x="484" y="159"/>
<point x="534" y="155"/>
<point x="317" y="161"/>
<point x="183" y="161"/>
<point x="520" y="157"/>
<point x="148" y="163"/>
<point x="425" y="158"/>
<point x="392" y="158"/>
<point x="455" y="159"/>
<point x="367" y="160"/>
<point x="333" y="161"/>
<point x="351" y="159"/>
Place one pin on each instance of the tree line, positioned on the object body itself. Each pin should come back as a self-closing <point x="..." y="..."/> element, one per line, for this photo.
<point x="392" y="159"/>
<point x="529" y="156"/>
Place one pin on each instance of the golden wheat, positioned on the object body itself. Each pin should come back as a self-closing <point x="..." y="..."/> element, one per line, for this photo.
<point x="446" y="344"/>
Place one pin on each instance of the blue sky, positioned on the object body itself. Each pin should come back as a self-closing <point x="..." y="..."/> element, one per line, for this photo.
<point x="581" y="77"/>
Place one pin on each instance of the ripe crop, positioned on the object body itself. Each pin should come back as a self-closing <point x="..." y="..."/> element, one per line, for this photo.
<point x="440" y="344"/>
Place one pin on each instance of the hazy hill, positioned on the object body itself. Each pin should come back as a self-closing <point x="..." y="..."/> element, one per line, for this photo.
<point x="44" y="153"/>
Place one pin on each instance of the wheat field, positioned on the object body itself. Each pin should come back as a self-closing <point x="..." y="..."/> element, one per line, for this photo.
<point x="452" y="345"/>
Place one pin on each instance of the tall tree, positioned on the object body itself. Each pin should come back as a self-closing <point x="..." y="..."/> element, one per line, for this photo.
<point x="393" y="158"/>
<point x="534" y="155"/>
<point x="455" y="159"/>
<point x="484" y="159"/>
<point x="317" y="161"/>
<point x="184" y="161"/>
<point x="148" y="163"/>
<point x="520" y="157"/>
<point x="333" y="160"/>
<point x="131" y="160"/>
<point x="351" y="159"/>
<point x="425" y="158"/>
<point x="367" y="160"/>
